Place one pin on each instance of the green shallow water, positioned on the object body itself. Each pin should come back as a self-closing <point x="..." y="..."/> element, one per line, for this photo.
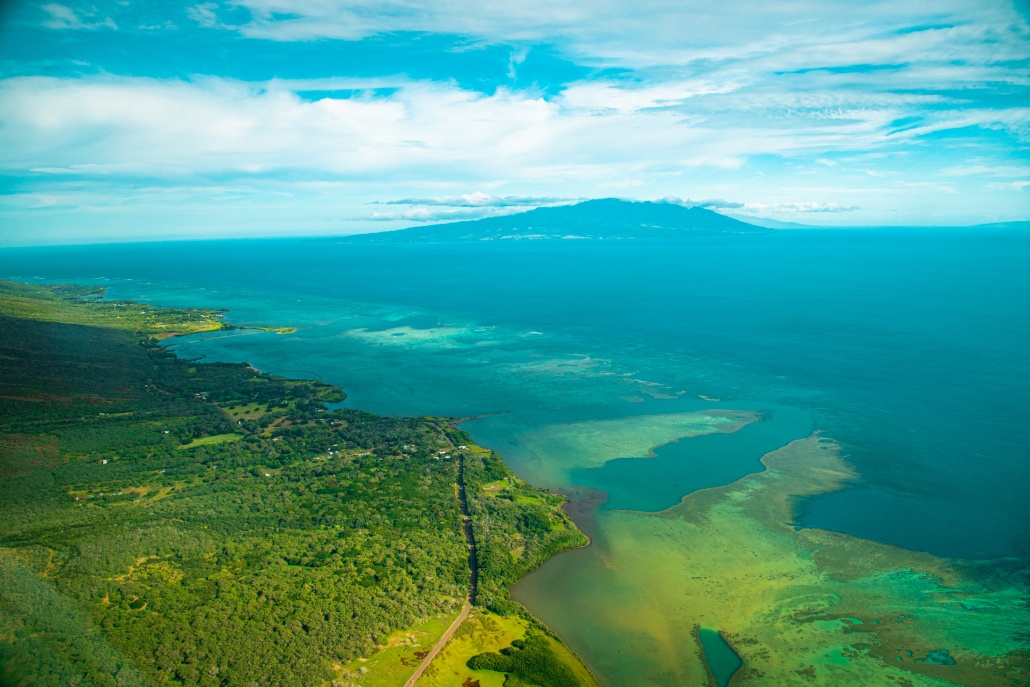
<point x="610" y="620"/>
<point x="722" y="660"/>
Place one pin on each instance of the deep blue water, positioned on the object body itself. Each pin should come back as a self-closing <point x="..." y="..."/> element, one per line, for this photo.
<point x="910" y="347"/>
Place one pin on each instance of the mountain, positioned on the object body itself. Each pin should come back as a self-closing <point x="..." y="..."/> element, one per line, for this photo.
<point x="769" y="223"/>
<point x="607" y="218"/>
<point x="1020" y="225"/>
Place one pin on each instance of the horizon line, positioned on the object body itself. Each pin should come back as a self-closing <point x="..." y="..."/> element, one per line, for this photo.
<point x="329" y="237"/>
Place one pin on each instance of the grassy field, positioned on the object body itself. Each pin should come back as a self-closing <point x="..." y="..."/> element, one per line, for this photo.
<point x="212" y="440"/>
<point x="398" y="657"/>
<point x="482" y="632"/>
<point x="488" y="633"/>
<point x="494" y="488"/>
<point x="249" y="411"/>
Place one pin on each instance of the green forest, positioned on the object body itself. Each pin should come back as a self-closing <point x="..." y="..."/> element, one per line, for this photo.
<point x="168" y="522"/>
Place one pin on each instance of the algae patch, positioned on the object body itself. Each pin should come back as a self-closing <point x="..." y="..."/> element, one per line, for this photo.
<point x="591" y="443"/>
<point x="800" y="607"/>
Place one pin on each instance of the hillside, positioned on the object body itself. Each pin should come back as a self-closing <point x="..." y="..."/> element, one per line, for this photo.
<point x="607" y="218"/>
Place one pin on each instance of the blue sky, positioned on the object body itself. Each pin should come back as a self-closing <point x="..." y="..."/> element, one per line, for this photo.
<point x="129" y="120"/>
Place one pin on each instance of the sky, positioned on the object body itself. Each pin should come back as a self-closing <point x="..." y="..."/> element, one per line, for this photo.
<point x="128" y="120"/>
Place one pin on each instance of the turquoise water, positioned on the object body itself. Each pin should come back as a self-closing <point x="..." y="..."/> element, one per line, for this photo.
<point x="907" y="346"/>
<point x="690" y="464"/>
<point x="722" y="660"/>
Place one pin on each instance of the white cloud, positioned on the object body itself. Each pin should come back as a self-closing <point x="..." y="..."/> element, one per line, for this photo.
<point x="93" y="169"/>
<point x="1009" y="185"/>
<point x="985" y="168"/>
<point x="437" y="214"/>
<point x="710" y="100"/>
<point x="932" y="185"/>
<point x="635" y="31"/>
<point x="64" y="17"/>
<point x="422" y="130"/>
<point x="478" y="199"/>
<point x="764" y="208"/>
<point x="711" y="203"/>
<point x="868" y="62"/>
<point x="810" y="206"/>
<point x="205" y="14"/>
<point x="516" y="58"/>
<point x="187" y="133"/>
<point x="618" y="97"/>
<point x="473" y="205"/>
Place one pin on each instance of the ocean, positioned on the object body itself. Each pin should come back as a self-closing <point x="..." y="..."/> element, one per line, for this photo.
<point x="909" y="347"/>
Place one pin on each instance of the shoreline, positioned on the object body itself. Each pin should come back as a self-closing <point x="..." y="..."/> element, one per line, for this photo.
<point x="68" y="310"/>
<point x="468" y="607"/>
<point x="826" y="539"/>
<point x="469" y="604"/>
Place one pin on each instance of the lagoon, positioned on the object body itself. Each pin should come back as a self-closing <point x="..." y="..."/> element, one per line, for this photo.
<point x="722" y="660"/>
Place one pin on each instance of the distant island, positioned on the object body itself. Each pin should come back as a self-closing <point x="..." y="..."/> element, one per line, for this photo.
<point x="1018" y="226"/>
<point x="606" y="218"/>
<point x="769" y="223"/>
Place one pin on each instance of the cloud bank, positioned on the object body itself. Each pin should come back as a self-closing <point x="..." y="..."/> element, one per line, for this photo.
<point x="883" y="112"/>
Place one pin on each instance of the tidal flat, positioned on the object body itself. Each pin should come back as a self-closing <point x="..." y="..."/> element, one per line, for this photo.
<point x="592" y="443"/>
<point x="799" y="606"/>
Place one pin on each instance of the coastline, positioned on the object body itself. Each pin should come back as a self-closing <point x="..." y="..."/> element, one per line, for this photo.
<point x="142" y="326"/>
<point x="837" y="609"/>
<point x="416" y="677"/>
<point x="689" y="523"/>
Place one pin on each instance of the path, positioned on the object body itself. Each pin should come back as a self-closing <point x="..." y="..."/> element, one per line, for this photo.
<point x="473" y="574"/>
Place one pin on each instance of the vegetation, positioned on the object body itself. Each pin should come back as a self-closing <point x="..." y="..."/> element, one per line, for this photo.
<point x="517" y="527"/>
<point x="480" y="653"/>
<point x="71" y="304"/>
<point x="401" y="653"/>
<point x="175" y="523"/>
<point x="528" y="662"/>
<point x="481" y="632"/>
